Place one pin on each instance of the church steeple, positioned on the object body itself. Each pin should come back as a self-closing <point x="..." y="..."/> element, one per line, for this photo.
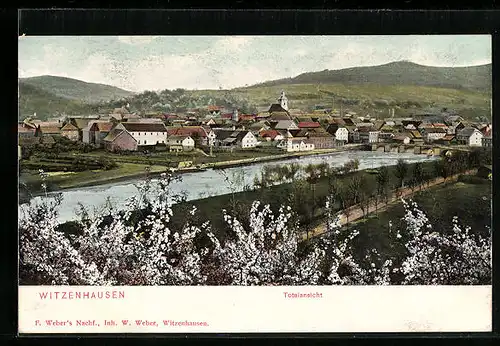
<point x="283" y="101"/>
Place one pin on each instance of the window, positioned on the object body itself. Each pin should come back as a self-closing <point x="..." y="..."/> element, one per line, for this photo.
<point x="151" y="132"/>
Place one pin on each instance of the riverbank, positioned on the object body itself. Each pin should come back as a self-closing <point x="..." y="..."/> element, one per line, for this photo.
<point x="59" y="181"/>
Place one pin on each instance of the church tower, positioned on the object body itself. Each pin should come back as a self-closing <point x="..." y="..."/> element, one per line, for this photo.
<point x="283" y="101"/>
<point x="235" y="116"/>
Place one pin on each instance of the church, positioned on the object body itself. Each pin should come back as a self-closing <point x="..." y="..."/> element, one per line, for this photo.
<point x="279" y="111"/>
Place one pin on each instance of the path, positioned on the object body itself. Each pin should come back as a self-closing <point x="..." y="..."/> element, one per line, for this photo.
<point x="356" y="213"/>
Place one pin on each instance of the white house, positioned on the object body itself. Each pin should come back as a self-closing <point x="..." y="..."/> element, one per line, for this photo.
<point x="291" y="145"/>
<point x="342" y="134"/>
<point x="145" y="133"/>
<point x="184" y="143"/>
<point x="210" y="141"/>
<point x="470" y="136"/>
<point x="248" y="140"/>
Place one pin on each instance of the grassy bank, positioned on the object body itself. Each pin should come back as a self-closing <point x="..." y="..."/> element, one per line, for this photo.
<point x="470" y="202"/>
<point x="65" y="180"/>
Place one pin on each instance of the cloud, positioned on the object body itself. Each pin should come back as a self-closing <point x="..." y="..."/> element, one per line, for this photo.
<point x="137" y="40"/>
<point x="233" y="43"/>
<point x="138" y="63"/>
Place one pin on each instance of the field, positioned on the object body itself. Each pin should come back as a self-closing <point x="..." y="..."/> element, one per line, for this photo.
<point x="470" y="202"/>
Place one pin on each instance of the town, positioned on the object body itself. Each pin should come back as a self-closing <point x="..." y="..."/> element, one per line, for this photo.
<point x="220" y="129"/>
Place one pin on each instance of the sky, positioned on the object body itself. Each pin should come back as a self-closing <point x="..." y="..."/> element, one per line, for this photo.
<point x="139" y="63"/>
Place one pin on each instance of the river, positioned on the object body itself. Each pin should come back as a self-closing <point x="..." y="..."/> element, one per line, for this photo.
<point x="211" y="182"/>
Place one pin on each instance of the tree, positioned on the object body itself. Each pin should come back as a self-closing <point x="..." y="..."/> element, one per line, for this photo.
<point x="401" y="171"/>
<point x="456" y="257"/>
<point x="382" y="179"/>
<point x="418" y="174"/>
<point x="346" y="200"/>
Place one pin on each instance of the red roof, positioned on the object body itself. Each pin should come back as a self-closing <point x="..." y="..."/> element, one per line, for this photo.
<point x="269" y="133"/>
<point x="227" y="116"/>
<point x="187" y="131"/>
<point x="214" y="108"/>
<point x="246" y="117"/>
<point x="21" y="128"/>
<point x="486" y="131"/>
<point x="439" y="125"/>
<point x="309" y="124"/>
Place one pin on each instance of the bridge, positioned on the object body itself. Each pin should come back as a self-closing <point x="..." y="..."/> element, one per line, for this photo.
<point x="425" y="149"/>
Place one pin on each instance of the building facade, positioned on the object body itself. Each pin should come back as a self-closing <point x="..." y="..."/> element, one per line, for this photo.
<point x="146" y="133"/>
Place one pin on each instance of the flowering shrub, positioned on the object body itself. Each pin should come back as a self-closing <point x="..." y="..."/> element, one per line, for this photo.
<point x="453" y="258"/>
<point x="140" y="246"/>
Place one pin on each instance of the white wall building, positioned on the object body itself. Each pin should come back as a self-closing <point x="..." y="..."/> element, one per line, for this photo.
<point x="292" y="145"/>
<point x="342" y="134"/>
<point x="146" y="133"/>
<point x="249" y="140"/>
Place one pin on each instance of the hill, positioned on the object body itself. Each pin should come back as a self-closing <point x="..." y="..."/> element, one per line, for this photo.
<point x="47" y="104"/>
<point x="75" y="89"/>
<point x="364" y="98"/>
<point x="399" y="73"/>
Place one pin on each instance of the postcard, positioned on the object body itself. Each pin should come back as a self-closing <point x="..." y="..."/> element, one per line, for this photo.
<point x="240" y="184"/>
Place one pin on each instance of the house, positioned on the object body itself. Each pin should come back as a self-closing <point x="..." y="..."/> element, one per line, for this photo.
<point x="184" y="143"/>
<point x="246" y="117"/>
<point x="214" y="110"/>
<point x="231" y="138"/>
<point x="119" y="140"/>
<point x="453" y="119"/>
<point x="486" y="130"/>
<point x="204" y="136"/>
<point x="292" y="145"/>
<point x="353" y="132"/>
<point x="308" y="125"/>
<point x="70" y="131"/>
<point x="487" y="142"/>
<point x="271" y="135"/>
<point x="470" y="136"/>
<point x="416" y="137"/>
<point x="341" y="136"/>
<point x="402" y="138"/>
<point x="447" y="139"/>
<point x="259" y="126"/>
<point x="26" y="130"/>
<point x="368" y="135"/>
<point x="432" y="134"/>
<point x="145" y="133"/>
<point x="96" y="131"/>
<point x="81" y="123"/>
<point x="284" y="125"/>
<point x="48" y="128"/>
<point x="319" y="137"/>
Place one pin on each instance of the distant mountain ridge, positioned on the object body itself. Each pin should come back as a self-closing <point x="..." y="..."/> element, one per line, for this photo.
<point x="74" y="89"/>
<point x="399" y="73"/>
